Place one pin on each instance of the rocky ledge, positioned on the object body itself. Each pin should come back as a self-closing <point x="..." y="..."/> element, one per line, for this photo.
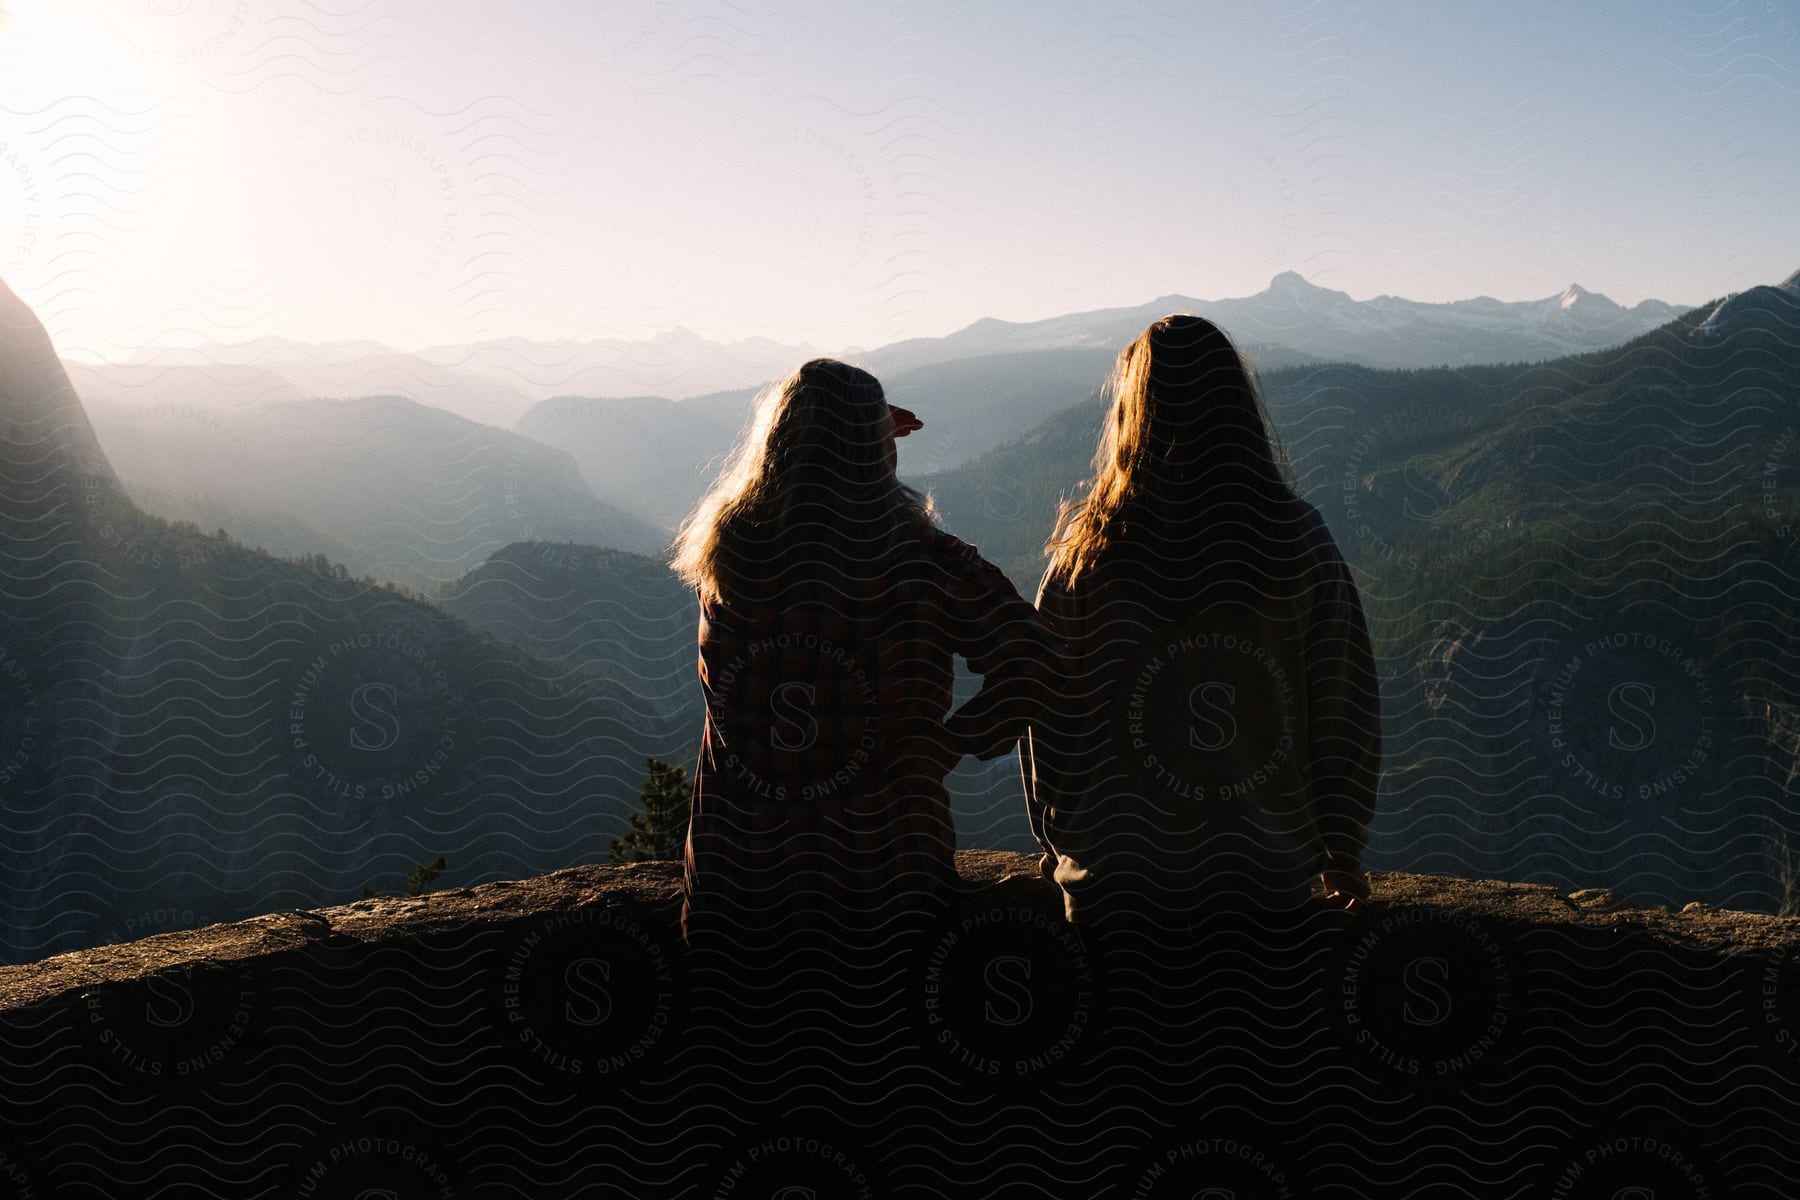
<point x="547" y="1037"/>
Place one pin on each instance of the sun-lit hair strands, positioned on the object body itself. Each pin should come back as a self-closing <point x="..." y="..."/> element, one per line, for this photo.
<point x="808" y="505"/>
<point x="1187" y="451"/>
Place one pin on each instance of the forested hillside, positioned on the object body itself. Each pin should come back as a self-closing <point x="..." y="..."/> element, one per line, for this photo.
<point x="1582" y="583"/>
<point x="623" y="616"/>
<point x="191" y="731"/>
<point x="1580" y="576"/>
<point x="656" y="457"/>
<point x="401" y="490"/>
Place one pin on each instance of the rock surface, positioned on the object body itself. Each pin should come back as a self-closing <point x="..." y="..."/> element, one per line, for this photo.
<point x="549" y="1037"/>
<point x="998" y="875"/>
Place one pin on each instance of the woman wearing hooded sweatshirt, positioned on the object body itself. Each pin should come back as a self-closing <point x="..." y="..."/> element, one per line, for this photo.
<point x="1217" y="746"/>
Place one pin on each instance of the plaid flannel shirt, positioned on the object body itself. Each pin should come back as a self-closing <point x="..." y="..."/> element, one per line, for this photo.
<point x="820" y="782"/>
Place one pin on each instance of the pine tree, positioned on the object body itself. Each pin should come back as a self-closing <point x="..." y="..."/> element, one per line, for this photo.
<point x="658" y="832"/>
<point x="1787" y="879"/>
<point x="418" y="882"/>
<point x="424" y="875"/>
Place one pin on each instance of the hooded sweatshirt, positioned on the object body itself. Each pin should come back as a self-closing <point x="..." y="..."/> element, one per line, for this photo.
<point x="1219" y="738"/>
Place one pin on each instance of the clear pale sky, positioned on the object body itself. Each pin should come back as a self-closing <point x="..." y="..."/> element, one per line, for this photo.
<point x="174" y="171"/>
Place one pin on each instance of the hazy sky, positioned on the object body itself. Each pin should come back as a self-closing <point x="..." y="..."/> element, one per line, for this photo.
<point x="420" y="171"/>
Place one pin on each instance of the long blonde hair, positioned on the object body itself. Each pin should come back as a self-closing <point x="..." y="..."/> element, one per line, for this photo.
<point x="808" y="507"/>
<point x="1187" y="447"/>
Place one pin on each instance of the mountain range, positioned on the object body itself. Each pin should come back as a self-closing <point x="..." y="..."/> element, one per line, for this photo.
<point x="401" y="491"/>
<point x="657" y="456"/>
<point x="190" y="725"/>
<point x="491" y="382"/>
<point x="1629" y="510"/>
<point x="495" y="381"/>
<point x="648" y="424"/>
<point x="191" y="730"/>
<point x="1583" y="586"/>
<point x="1320" y="323"/>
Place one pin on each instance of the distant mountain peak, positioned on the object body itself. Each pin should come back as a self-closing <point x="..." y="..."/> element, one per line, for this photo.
<point x="1572" y="293"/>
<point x="1294" y="289"/>
<point x="51" y="446"/>
<point x="1765" y="306"/>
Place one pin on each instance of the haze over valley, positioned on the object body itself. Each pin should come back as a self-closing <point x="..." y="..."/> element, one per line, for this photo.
<point x="478" y="624"/>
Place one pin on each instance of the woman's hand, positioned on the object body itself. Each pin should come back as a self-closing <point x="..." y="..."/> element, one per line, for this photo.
<point x="905" y="421"/>
<point x="1345" y="889"/>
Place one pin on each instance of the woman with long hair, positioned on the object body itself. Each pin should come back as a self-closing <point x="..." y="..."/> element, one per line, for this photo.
<point x="1218" y="743"/>
<point x="831" y="607"/>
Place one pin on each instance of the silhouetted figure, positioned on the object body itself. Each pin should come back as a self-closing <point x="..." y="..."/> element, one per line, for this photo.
<point x="820" y="837"/>
<point x="1217" y="746"/>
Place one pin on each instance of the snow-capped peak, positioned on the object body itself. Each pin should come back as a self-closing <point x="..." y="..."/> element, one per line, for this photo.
<point x="1573" y="293"/>
<point x="1765" y="306"/>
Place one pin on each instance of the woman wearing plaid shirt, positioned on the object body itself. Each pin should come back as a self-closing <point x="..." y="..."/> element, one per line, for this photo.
<point x="831" y="607"/>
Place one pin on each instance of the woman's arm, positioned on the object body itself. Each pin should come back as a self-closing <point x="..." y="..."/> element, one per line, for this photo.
<point x="1343" y="720"/>
<point x="1005" y="642"/>
<point x="1035" y="773"/>
<point x="1037" y="802"/>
